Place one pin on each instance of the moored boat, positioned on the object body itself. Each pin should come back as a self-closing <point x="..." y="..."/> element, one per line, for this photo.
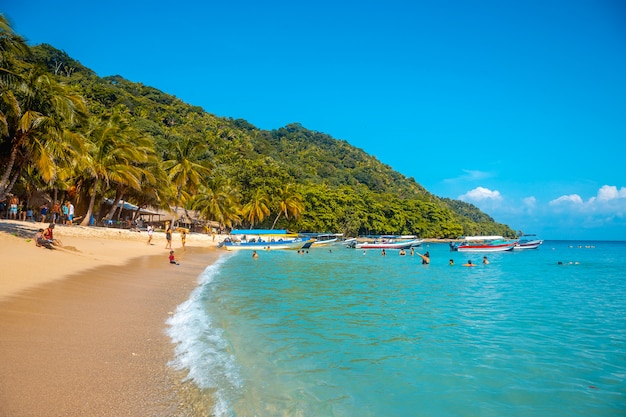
<point x="483" y="244"/>
<point x="528" y="242"/>
<point x="322" y="239"/>
<point x="388" y="242"/>
<point x="262" y="239"/>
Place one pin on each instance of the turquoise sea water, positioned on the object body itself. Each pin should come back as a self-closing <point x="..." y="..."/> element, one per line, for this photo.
<point x="343" y="333"/>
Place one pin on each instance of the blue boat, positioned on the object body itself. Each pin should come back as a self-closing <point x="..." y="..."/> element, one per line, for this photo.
<point x="263" y="239"/>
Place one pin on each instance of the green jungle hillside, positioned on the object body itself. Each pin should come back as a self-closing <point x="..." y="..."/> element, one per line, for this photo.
<point x="71" y="134"/>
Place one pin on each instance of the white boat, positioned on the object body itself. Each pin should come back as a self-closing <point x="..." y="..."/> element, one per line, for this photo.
<point x="388" y="242"/>
<point x="349" y="243"/>
<point x="322" y="239"/>
<point x="483" y="244"/>
<point x="263" y="239"/>
<point x="527" y="242"/>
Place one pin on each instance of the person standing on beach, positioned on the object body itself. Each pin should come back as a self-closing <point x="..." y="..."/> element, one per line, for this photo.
<point x="56" y="212"/>
<point x="183" y="238"/>
<point x="43" y="210"/>
<point x="13" y="203"/>
<point x="150" y="232"/>
<point x="64" y="213"/>
<point x="168" y="237"/>
<point x="70" y="213"/>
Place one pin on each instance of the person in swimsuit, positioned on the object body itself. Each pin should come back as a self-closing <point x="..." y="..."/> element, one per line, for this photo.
<point x="183" y="238"/>
<point x="48" y="234"/>
<point x="168" y="237"/>
<point x="172" y="258"/>
<point x="41" y="241"/>
<point x="13" y="207"/>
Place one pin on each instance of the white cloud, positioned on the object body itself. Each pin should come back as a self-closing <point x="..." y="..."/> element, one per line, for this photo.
<point x="572" y="198"/>
<point x="471" y="175"/>
<point x="610" y="192"/>
<point x="530" y="202"/>
<point x="608" y="199"/>
<point x="481" y="194"/>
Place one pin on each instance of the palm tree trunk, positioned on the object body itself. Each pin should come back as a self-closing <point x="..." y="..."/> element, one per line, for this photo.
<point x="119" y="193"/>
<point x="276" y="219"/>
<point x="92" y="202"/>
<point x="5" y="187"/>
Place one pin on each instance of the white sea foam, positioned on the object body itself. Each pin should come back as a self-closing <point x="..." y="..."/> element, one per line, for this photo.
<point x="201" y="349"/>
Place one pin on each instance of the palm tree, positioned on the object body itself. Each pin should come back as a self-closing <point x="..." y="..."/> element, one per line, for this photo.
<point x="289" y="203"/>
<point x="256" y="209"/>
<point x="219" y="201"/>
<point x="185" y="170"/>
<point x="155" y="189"/>
<point x="148" y="169"/>
<point x="12" y="48"/>
<point x="34" y="122"/>
<point x="114" y="149"/>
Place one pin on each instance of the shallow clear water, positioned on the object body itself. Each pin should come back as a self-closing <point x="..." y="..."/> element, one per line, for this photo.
<point x="344" y="333"/>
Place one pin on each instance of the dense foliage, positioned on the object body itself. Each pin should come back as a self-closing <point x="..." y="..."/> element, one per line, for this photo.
<point x="65" y="130"/>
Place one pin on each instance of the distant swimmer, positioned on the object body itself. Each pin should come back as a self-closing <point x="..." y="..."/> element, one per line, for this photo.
<point x="469" y="263"/>
<point x="425" y="257"/>
<point x="451" y="263"/>
<point x="485" y="260"/>
<point x="254" y="254"/>
<point x="402" y="252"/>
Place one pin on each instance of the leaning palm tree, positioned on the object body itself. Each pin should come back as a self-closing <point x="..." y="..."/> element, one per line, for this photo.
<point x="289" y="203"/>
<point x="34" y="125"/>
<point x="13" y="48"/>
<point x="113" y="151"/>
<point x="219" y="201"/>
<point x="256" y="209"/>
<point x="155" y="189"/>
<point x="186" y="169"/>
<point x="148" y="169"/>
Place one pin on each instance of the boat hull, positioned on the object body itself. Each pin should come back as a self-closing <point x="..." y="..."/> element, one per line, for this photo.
<point x="484" y="248"/>
<point x="389" y="245"/>
<point x="483" y="244"/>
<point x="318" y="243"/>
<point x="277" y="245"/>
<point x="528" y="245"/>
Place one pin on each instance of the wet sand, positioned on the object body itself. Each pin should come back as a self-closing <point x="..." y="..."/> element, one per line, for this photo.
<point x="93" y="342"/>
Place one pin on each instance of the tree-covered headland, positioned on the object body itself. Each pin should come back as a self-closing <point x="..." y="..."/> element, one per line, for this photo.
<point x="70" y="134"/>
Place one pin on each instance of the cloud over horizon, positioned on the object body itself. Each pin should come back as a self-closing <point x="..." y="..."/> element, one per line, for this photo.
<point x="609" y="199"/>
<point x="481" y="194"/>
<point x="569" y="212"/>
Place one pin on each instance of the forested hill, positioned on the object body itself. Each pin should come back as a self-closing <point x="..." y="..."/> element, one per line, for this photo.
<point x="315" y="182"/>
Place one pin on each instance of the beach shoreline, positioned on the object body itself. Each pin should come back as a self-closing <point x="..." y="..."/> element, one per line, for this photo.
<point x="83" y="326"/>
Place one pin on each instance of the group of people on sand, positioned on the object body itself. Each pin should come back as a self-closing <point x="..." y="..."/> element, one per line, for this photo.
<point x="45" y="238"/>
<point x="60" y="213"/>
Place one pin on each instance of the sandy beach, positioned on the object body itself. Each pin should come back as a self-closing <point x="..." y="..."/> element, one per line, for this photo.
<point x="83" y="325"/>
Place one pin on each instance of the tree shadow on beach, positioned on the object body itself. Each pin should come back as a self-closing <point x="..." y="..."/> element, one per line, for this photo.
<point x="17" y="228"/>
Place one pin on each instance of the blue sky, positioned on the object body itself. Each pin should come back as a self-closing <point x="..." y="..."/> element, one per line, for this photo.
<point x="518" y="107"/>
